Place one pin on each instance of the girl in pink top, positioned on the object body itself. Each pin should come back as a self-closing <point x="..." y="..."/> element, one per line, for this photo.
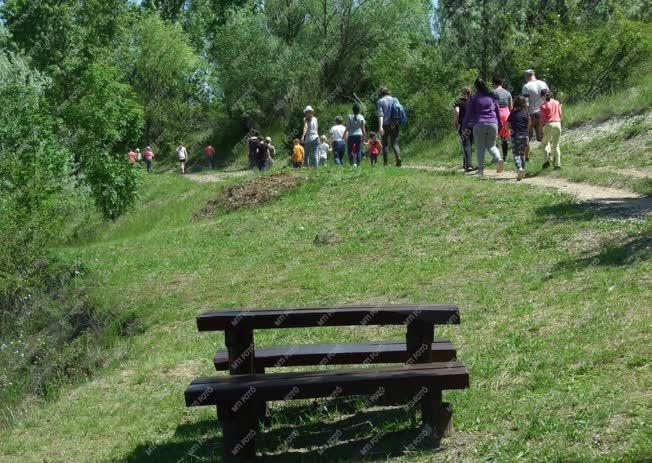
<point x="148" y="155"/>
<point x="551" y="125"/>
<point x="375" y="147"/>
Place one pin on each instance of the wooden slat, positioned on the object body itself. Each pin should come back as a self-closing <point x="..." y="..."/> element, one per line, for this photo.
<point x="303" y="385"/>
<point x="328" y="316"/>
<point x="337" y="354"/>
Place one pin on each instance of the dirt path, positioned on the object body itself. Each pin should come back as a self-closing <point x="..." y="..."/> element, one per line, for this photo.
<point x="604" y="197"/>
<point x="216" y="176"/>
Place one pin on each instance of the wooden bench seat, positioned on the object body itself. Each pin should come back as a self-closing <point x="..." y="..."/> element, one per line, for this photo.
<point x="336" y="354"/>
<point x="237" y="397"/>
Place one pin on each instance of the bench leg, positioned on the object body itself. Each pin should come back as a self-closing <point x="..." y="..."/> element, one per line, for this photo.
<point x="436" y="416"/>
<point x="239" y="429"/>
<point x="261" y="409"/>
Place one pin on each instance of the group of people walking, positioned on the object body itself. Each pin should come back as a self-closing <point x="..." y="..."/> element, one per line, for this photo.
<point x="349" y="136"/>
<point x="479" y="118"/>
<point x="135" y="157"/>
<point x="489" y="114"/>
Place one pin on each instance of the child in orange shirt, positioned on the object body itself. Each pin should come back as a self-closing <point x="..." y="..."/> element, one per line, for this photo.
<point x="297" y="154"/>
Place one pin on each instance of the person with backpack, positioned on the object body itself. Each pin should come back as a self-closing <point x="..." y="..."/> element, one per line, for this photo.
<point x="337" y="141"/>
<point x="355" y="135"/>
<point x="483" y="118"/>
<point x="391" y="115"/>
<point x="551" y="128"/>
<point x="466" y="142"/>
<point x="310" y="137"/>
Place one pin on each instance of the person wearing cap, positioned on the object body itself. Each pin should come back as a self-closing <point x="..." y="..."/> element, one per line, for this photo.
<point x="551" y="128"/>
<point x="310" y="137"/>
<point x="532" y="93"/>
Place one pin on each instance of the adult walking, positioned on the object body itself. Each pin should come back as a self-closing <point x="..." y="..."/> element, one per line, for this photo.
<point x="310" y="137"/>
<point x="483" y="118"/>
<point x="262" y="153"/>
<point x="271" y="153"/>
<point x="209" y="154"/>
<point x="182" y="156"/>
<point x="148" y="155"/>
<point x="389" y="128"/>
<point x="355" y="135"/>
<point x="505" y="104"/>
<point x="466" y="142"/>
<point x="551" y="128"/>
<point x="252" y="145"/>
<point x="337" y="140"/>
<point x="532" y="93"/>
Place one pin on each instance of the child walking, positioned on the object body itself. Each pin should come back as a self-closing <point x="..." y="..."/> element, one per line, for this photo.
<point x="551" y="127"/>
<point x="297" y="154"/>
<point x="375" y="148"/>
<point x="518" y="122"/>
<point x="323" y="150"/>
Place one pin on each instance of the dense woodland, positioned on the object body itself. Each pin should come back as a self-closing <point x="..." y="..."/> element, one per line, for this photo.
<point x="83" y="81"/>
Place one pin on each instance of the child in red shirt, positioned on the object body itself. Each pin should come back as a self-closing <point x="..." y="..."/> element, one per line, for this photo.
<point x="375" y="147"/>
<point x="551" y="127"/>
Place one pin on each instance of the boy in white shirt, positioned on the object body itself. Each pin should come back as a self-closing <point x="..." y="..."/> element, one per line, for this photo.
<point x="337" y="140"/>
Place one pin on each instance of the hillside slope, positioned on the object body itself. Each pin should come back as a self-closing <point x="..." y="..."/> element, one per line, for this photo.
<point x="555" y="318"/>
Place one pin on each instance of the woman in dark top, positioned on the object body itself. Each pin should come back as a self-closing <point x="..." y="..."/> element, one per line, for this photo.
<point x="466" y="142"/>
<point x="518" y="122"/>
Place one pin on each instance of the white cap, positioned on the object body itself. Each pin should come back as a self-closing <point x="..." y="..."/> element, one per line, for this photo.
<point x="308" y="108"/>
<point x="268" y="139"/>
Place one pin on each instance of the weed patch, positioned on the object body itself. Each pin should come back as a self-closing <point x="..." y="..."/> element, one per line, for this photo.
<point x="250" y="194"/>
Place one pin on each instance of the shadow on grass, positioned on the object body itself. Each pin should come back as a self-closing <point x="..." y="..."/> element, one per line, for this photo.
<point x="631" y="250"/>
<point x="616" y="208"/>
<point x="368" y="434"/>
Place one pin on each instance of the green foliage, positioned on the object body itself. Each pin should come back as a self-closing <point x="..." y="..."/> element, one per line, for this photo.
<point x="172" y="82"/>
<point x="105" y="114"/>
<point x="114" y="183"/>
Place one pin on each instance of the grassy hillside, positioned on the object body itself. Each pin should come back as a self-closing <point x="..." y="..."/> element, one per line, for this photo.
<point x="554" y="300"/>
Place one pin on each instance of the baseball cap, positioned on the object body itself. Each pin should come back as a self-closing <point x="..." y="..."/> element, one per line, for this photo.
<point x="308" y="108"/>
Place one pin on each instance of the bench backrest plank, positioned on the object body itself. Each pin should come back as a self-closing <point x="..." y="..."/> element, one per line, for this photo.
<point x="438" y="314"/>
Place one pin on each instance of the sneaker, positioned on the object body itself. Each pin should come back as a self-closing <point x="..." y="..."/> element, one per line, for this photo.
<point x="479" y="173"/>
<point x="546" y="164"/>
<point x="468" y="169"/>
<point x="500" y="167"/>
<point x="520" y="175"/>
<point x="557" y="168"/>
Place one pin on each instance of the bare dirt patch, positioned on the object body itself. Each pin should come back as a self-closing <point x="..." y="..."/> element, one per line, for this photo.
<point x="250" y="194"/>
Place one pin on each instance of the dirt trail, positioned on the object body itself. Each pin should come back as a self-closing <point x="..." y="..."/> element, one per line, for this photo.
<point x="613" y="198"/>
<point x="214" y="177"/>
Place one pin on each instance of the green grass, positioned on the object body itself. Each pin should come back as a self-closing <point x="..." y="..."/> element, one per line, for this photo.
<point x="554" y="301"/>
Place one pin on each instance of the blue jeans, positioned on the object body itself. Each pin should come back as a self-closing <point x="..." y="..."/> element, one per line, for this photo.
<point x="355" y="149"/>
<point x="339" y="147"/>
<point x="311" y="153"/>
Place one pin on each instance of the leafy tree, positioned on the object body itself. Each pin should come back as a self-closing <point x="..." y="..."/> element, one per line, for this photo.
<point x="172" y="81"/>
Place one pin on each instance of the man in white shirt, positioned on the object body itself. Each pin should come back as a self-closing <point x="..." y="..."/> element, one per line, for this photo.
<point x="337" y="139"/>
<point x="182" y="155"/>
<point x="532" y="93"/>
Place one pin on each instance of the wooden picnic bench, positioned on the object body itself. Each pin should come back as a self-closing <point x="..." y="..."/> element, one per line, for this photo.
<point x="428" y="365"/>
